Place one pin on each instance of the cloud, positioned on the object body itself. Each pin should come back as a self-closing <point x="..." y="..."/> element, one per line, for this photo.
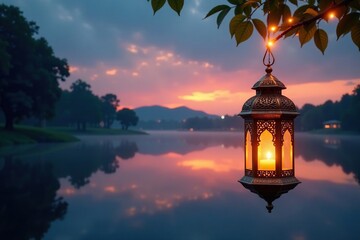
<point x="207" y="96"/>
<point x="111" y="72"/>
<point x="159" y="58"/>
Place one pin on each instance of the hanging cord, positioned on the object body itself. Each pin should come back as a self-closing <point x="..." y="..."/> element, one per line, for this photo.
<point x="269" y="56"/>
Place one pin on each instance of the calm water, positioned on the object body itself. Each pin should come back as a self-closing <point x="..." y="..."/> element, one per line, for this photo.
<point x="171" y="185"/>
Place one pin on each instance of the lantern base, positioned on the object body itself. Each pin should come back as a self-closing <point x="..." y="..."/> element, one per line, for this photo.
<point x="269" y="189"/>
<point x="269" y="181"/>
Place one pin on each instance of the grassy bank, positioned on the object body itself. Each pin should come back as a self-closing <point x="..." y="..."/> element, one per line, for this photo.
<point x="26" y="135"/>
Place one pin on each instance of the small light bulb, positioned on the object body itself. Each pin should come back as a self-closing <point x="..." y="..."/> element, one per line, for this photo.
<point x="270" y="43"/>
<point x="331" y="15"/>
<point x="290" y="20"/>
<point x="273" y="28"/>
<point x="268" y="155"/>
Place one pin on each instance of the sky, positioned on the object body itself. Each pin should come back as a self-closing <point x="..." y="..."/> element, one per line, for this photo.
<point x="120" y="47"/>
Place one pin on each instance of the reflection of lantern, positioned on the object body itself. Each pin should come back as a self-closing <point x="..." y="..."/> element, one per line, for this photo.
<point x="269" y="135"/>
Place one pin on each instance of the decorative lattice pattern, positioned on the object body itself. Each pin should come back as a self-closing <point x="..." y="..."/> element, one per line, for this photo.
<point x="287" y="125"/>
<point x="287" y="173"/>
<point x="287" y="105"/>
<point x="263" y="125"/>
<point x="266" y="102"/>
<point x="266" y="174"/>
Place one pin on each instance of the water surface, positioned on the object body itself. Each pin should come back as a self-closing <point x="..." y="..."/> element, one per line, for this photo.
<point x="174" y="185"/>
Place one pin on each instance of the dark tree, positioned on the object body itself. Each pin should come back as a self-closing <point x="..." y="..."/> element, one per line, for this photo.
<point x="28" y="202"/>
<point x="109" y="105"/>
<point x="29" y="72"/>
<point x="84" y="105"/>
<point x="127" y="117"/>
<point x="126" y="149"/>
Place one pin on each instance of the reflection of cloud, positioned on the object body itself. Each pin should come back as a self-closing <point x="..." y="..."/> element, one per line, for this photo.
<point x="200" y="164"/>
<point x="110" y="189"/>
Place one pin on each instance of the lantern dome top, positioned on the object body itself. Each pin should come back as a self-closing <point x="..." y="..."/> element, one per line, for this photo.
<point x="268" y="98"/>
<point x="268" y="81"/>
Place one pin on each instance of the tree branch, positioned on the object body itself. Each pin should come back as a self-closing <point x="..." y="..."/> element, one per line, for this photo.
<point x="320" y="15"/>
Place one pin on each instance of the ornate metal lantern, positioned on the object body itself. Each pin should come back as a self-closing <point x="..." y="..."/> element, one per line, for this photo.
<point x="269" y="134"/>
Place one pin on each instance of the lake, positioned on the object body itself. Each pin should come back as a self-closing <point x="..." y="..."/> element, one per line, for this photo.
<point x="174" y="185"/>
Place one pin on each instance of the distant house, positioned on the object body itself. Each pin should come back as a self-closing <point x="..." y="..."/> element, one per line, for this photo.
<point x="332" y="124"/>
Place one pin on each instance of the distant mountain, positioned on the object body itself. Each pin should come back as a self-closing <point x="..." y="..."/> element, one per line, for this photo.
<point x="149" y="113"/>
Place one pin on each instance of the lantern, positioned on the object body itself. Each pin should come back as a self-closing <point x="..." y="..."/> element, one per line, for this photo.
<point x="269" y="139"/>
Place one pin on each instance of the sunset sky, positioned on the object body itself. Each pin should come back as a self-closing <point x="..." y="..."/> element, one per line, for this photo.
<point x="119" y="47"/>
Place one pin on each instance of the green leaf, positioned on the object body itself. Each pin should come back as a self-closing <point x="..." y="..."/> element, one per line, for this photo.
<point x="311" y="12"/>
<point x="306" y="35"/>
<point x="238" y="10"/>
<point x="311" y="2"/>
<point x="274" y="17"/>
<point x="321" y="40"/>
<point x="243" y="32"/>
<point x="221" y="16"/>
<point x="260" y="27"/>
<point x="217" y="9"/>
<point x="300" y="11"/>
<point x="286" y="13"/>
<point x="157" y="4"/>
<point x="176" y="5"/>
<point x="234" y="2"/>
<point x="235" y="23"/>
<point x="295" y="2"/>
<point x="292" y="32"/>
<point x="346" y="23"/>
<point x="355" y="34"/>
<point x="323" y="4"/>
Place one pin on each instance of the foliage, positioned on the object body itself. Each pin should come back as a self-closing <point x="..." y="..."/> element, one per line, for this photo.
<point x="29" y="72"/>
<point x="81" y="107"/>
<point x="127" y="118"/>
<point x="109" y="105"/>
<point x="347" y="110"/>
<point x="84" y="107"/>
<point x="277" y="19"/>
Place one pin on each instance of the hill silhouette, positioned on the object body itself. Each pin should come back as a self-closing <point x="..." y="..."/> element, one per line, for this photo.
<point x="154" y="113"/>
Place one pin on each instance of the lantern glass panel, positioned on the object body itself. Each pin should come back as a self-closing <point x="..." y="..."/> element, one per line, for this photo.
<point x="248" y="151"/>
<point x="287" y="152"/>
<point x="266" y="152"/>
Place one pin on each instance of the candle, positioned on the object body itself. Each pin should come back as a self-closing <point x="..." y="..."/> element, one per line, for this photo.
<point x="268" y="163"/>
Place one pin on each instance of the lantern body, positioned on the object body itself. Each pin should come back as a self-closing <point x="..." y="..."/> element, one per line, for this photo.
<point x="269" y="134"/>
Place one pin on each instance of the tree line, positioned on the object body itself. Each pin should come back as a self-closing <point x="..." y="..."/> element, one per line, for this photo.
<point x="79" y="107"/>
<point x="347" y="110"/>
<point x="29" y="82"/>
